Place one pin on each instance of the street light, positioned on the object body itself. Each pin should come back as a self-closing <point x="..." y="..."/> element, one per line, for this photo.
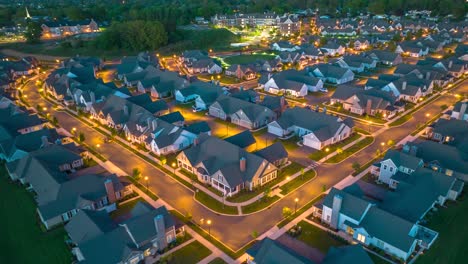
<point x="295" y="205"/>
<point x="98" y="145"/>
<point x="146" y="180"/>
<point x="327" y="150"/>
<point x="208" y="222"/>
<point x="173" y="166"/>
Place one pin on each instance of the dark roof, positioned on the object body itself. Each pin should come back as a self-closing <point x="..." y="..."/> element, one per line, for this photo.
<point x="172" y="117"/>
<point x="268" y="251"/>
<point x="347" y="255"/>
<point x="242" y="139"/>
<point x="273" y="153"/>
<point x="198" y="127"/>
<point x="403" y="159"/>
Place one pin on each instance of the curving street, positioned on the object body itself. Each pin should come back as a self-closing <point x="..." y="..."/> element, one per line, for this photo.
<point x="235" y="231"/>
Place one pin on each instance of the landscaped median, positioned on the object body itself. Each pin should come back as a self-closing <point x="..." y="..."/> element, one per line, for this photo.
<point x="339" y="157"/>
<point x="191" y="253"/>
<point x="318" y="155"/>
<point x="297" y="182"/>
<point x="214" y="204"/>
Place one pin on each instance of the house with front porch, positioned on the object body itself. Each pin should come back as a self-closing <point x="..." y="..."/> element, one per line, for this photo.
<point x="459" y="111"/>
<point x="241" y="112"/>
<point x="291" y="82"/>
<point x="96" y="238"/>
<point x="317" y="130"/>
<point x="331" y="73"/>
<point x="225" y="166"/>
<point x="396" y="162"/>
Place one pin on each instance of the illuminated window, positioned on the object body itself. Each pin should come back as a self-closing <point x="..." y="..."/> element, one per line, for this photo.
<point x="361" y="238"/>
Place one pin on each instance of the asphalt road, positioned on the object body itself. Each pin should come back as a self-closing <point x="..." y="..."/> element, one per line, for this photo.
<point x="235" y="231"/>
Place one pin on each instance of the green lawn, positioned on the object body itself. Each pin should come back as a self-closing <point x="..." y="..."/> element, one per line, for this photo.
<point x="452" y="244"/>
<point x="293" y="184"/>
<point x="259" y="205"/>
<point x="214" y="205"/>
<point x="217" y="261"/>
<point x="245" y="59"/>
<point x="317" y="238"/>
<point x="351" y="150"/>
<point x="191" y="253"/>
<point x="377" y="259"/>
<point x="318" y="155"/>
<point x="21" y="238"/>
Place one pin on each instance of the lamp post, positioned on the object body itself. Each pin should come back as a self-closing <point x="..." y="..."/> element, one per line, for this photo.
<point x="383" y="145"/>
<point x="327" y="150"/>
<point x="173" y="166"/>
<point x="147" y="180"/>
<point x="295" y="205"/>
<point x="208" y="222"/>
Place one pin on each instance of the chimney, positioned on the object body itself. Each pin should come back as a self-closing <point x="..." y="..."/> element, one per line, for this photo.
<point x="368" y="106"/>
<point x="196" y="141"/>
<point x="160" y="230"/>
<point x="45" y="141"/>
<point x="450" y="64"/>
<point x="403" y="85"/>
<point x="336" y="207"/>
<point x="110" y="191"/>
<point x="282" y="103"/>
<point x="242" y="164"/>
<point x="428" y="75"/>
<point x="125" y="110"/>
<point x="462" y="111"/>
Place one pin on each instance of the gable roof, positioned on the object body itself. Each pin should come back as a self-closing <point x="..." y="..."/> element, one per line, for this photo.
<point x="242" y="139"/>
<point x="352" y="206"/>
<point x="273" y="152"/>
<point x="268" y="251"/>
<point x="402" y="159"/>
<point x="346" y="255"/>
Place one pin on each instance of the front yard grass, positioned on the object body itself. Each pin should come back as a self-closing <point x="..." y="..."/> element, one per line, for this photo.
<point x="318" y="238"/>
<point x="452" y="244"/>
<point x="191" y="253"/>
<point x="351" y="150"/>
<point x="214" y="204"/>
<point x="298" y="181"/>
<point x="259" y="205"/>
<point x="22" y="240"/>
<point x="318" y="155"/>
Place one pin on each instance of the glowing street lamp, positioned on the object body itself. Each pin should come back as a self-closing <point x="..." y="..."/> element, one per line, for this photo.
<point x="295" y="205"/>
<point x="208" y="222"/>
<point x="173" y="166"/>
<point x="147" y="180"/>
<point x="327" y="150"/>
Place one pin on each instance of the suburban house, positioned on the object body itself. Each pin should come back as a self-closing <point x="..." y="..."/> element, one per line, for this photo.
<point x="316" y="130"/>
<point x="288" y="25"/>
<point x="15" y="120"/>
<point x="58" y="83"/>
<point x="268" y="251"/>
<point x="447" y="131"/>
<point x="332" y="49"/>
<point x="225" y="166"/>
<point x="275" y="153"/>
<point x="408" y="88"/>
<point x="64" y="28"/>
<point x="84" y="61"/>
<point x="134" y="64"/>
<point x="208" y="65"/>
<point x="387" y="58"/>
<point x="291" y="82"/>
<point x="361" y="213"/>
<point x="284" y="46"/>
<point x="371" y="101"/>
<point x="331" y="73"/>
<point x="412" y="49"/>
<point x="274" y="65"/>
<point x="459" y="111"/>
<point x="240" y="112"/>
<point x="447" y="159"/>
<point x="90" y="192"/>
<point x="190" y="56"/>
<point x="356" y="63"/>
<point x="96" y="238"/>
<point x="241" y="72"/>
<point x="360" y="44"/>
<point x="347" y="254"/>
<point x="396" y="163"/>
<point x="202" y="93"/>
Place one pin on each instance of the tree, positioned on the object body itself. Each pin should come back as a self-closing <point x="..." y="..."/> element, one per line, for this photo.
<point x="54" y="121"/>
<point x="302" y="173"/>
<point x="324" y="188"/>
<point x="377" y="152"/>
<point x="136" y="173"/>
<point x="267" y="193"/>
<point x="254" y="234"/>
<point x="390" y="143"/>
<point x="339" y="150"/>
<point x="81" y="137"/>
<point x="287" y="212"/>
<point x="356" y="166"/>
<point x="33" y="32"/>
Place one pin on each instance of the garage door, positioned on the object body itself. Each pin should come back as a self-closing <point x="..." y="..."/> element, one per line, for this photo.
<point x="275" y="130"/>
<point x="311" y="143"/>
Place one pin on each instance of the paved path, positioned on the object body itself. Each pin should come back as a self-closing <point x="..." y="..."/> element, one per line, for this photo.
<point x="41" y="57"/>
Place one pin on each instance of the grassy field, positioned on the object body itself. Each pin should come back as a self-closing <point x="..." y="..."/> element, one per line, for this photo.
<point x="22" y="240"/>
<point x="452" y="244"/>
<point x="245" y="59"/>
<point x="214" y="205"/>
<point x="317" y="238"/>
<point x="191" y="253"/>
